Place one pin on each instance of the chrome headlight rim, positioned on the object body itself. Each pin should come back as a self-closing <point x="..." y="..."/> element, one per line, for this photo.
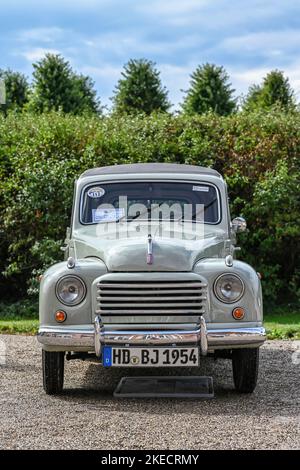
<point x="221" y="299"/>
<point x="80" y="299"/>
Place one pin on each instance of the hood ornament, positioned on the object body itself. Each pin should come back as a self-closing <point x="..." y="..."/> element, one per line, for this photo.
<point x="149" y="250"/>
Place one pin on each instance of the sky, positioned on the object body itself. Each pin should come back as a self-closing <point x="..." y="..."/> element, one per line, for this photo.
<point x="249" y="38"/>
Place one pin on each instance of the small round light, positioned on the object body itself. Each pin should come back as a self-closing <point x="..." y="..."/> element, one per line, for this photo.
<point x="70" y="290"/>
<point x="228" y="288"/>
<point x="238" y="313"/>
<point x="60" y="316"/>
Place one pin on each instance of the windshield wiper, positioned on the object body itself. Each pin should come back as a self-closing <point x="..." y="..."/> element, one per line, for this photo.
<point x="145" y="212"/>
<point x="200" y="210"/>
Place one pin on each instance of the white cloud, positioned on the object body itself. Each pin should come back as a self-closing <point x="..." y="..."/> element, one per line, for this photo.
<point x="242" y="79"/>
<point x="105" y="71"/>
<point x="37" y="53"/>
<point x="47" y="35"/>
<point x="172" y="7"/>
<point x="175" y="78"/>
<point x="174" y="12"/>
<point x="216" y="15"/>
<point x="60" y="4"/>
<point x="263" y="42"/>
<point x="122" y="47"/>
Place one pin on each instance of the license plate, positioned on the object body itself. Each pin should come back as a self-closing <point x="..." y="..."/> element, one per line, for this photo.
<point x="150" y="357"/>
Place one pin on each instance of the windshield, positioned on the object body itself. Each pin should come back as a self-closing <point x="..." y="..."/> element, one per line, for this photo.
<point x="113" y="202"/>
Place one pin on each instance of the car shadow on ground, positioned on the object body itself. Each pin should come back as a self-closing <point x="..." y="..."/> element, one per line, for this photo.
<point x="100" y="379"/>
<point x="276" y="378"/>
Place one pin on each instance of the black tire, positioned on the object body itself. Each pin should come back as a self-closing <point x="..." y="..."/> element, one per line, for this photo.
<point x="245" y="369"/>
<point x="53" y="372"/>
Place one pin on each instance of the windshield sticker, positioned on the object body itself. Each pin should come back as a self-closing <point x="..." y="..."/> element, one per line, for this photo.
<point x="108" y="215"/>
<point x="204" y="189"/>
<point x="96" y="192"/>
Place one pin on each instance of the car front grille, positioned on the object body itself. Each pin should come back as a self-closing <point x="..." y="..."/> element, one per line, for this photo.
<point x="150" y="298"/>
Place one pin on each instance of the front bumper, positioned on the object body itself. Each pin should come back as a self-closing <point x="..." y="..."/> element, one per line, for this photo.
<point x="89" y="338"/>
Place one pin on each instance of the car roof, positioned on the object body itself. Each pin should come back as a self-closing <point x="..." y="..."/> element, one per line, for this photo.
<point x="136" y="168"/>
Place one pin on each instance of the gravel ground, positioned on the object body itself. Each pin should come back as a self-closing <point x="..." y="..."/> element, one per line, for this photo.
<point x="87" y="416"/>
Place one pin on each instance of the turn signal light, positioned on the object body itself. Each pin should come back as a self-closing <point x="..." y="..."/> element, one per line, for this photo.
<point x="60" y="316"/>
<point x="238" y="313"/>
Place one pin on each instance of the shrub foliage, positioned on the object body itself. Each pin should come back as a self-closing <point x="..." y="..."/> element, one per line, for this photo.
<point x="40" y="156"/>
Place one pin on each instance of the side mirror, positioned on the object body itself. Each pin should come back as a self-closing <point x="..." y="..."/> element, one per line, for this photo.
<point x="238" y="224"/>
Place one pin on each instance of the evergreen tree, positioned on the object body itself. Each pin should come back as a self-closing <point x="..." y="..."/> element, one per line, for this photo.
<point x="57" y="87"/>
<point x="275" y="90"/>
<point x="85" y="96"/>
<point x="209" y="90"/>
<point x="140" y="89"/>
<point x="16" y="89"/>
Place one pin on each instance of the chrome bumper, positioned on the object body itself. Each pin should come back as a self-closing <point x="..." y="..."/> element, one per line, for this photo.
<point x="62" y="338"/>
<point x="92" y="339"/>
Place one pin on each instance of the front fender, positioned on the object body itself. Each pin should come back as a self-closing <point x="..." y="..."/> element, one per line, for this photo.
<point x="87" y="270"/>
<point x="251" y="301"/>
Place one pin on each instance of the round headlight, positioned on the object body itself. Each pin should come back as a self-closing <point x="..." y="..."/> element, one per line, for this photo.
<point x="70" y="290"/>
<point x="228" y="288"/>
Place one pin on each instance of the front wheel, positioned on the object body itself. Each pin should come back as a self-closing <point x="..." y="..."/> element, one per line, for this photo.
<point x="53" y="371"/>
<point x="245" y="369"/>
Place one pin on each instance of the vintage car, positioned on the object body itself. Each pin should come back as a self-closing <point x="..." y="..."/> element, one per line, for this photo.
<point x="150" y="277"/>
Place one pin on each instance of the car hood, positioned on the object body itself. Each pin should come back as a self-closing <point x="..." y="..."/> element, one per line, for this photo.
<point x="170" y="253"/>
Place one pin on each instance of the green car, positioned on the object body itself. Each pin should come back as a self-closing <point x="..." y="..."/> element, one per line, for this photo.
<point x="150" y="277"/>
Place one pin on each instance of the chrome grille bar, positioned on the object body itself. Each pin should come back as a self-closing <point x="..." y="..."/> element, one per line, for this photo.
<point x="145" y="285"/>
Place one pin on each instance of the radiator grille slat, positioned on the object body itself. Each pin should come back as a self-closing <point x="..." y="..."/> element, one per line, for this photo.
<point x="150" y="311"/>
<point x="105" y="298"/>
<point x="149" y="285"/>
<point x="146" y="291"/>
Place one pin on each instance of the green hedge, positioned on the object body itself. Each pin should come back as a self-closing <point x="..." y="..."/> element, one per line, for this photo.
<point x="40" y="156"/>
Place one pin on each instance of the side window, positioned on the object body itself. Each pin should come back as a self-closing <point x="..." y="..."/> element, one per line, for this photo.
<point x="228" y="207"/>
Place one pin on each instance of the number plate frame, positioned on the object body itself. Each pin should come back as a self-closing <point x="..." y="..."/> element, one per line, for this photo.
<point x="151" y="356"/>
